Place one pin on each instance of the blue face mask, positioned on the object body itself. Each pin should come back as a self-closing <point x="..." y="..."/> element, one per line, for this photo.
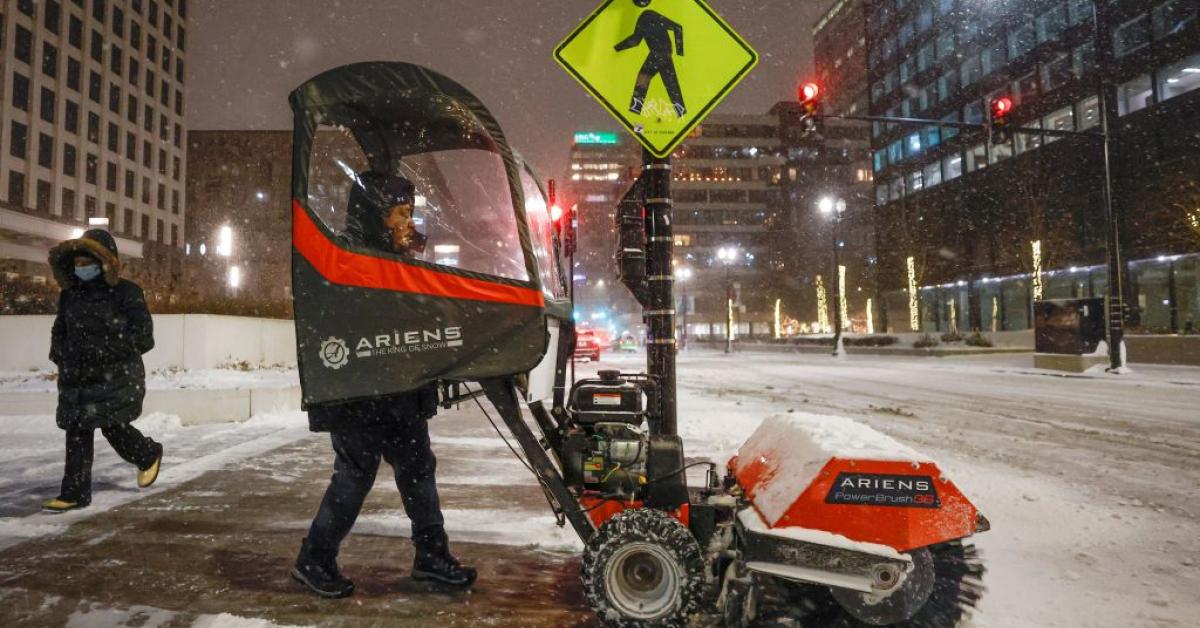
<point x="87" y="273"/>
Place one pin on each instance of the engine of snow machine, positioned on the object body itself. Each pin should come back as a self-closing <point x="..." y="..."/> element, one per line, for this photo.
<point x="608" y="449"/>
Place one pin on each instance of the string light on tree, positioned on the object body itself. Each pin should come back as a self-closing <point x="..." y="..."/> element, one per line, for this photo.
<point x="1038" y="286"/>
<point x="914" y="302"/>
<point x="822" y="306"/>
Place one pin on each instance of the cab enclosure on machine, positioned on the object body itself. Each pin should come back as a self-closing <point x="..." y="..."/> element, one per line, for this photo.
<point x="818" y="518"/>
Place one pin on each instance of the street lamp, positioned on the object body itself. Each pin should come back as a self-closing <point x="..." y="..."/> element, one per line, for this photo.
<point x="834" y="208"/>
<point x="728" y="255"/>
<point x="683" y="277"/>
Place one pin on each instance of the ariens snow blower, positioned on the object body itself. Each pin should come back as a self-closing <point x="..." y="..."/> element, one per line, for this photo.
<point x="817" y="521"/>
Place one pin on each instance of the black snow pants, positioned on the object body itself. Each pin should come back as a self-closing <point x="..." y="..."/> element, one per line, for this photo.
<point x="130" y="444"/>
<point x="405" y="446"/>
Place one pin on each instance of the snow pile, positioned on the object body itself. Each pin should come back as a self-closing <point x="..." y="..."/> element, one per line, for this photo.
<point x="793" y="448"/>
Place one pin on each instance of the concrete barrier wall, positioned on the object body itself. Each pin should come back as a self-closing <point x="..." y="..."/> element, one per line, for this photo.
<point x="192" y="406"/>
<point x="188" y="341"/>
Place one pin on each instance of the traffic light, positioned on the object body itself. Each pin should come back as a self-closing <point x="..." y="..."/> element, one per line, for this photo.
<point x="1000" y="130"/>
<point x="810" y="104"/>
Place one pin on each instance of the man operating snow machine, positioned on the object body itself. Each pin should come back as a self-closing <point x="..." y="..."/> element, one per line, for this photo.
<point x="819" y="520"/>
<point x="392" y="427"/>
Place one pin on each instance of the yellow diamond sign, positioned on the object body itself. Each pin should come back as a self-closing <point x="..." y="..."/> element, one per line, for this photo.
<point x="659" y="66"/>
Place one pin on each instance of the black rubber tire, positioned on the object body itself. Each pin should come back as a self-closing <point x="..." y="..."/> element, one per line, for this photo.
<point x="958" y="586"/>
<point x="644" y="526"/>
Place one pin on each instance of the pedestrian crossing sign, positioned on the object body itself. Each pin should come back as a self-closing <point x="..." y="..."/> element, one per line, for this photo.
<point x="659" y="66"/>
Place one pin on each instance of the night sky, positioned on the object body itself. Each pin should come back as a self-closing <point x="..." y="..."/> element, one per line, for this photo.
<point x="245" y="56"/>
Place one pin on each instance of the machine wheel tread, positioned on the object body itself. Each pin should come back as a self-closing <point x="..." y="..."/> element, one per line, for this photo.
<point x="653" y="527"/>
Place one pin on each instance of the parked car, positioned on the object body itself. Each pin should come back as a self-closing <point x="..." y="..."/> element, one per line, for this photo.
<point x="587" y="346"/>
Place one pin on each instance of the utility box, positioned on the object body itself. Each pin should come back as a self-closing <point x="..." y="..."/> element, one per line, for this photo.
<point x="1068" y="334"/>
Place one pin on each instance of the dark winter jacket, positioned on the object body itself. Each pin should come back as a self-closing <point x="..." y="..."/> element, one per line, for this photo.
<point x="102" y="329"/>
<point x="370" y="200"/>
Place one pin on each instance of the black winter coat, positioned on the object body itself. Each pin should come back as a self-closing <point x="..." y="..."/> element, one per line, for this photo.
<point x="102" y="329"/>
<point x="370" y="200"/>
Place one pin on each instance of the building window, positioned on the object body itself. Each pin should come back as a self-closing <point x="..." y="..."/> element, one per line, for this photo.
<point x="1179" y="78"/>
<point x="44" y="193"/>
<point x="98" y="10"/>
<point x="91" y="166"/>
<point x="89" y="209"/>
<point x="1135" y="95"/>
<point x="1027" y="141"/>
<point x="67" y="204"/>
<point x="932" y="174"/>
<point x="174" y="201"/>
<point x="148" y="118"/>
<point x="145" y="233"/>
<point x="174" y="235"/>
<point x="95" y="85"/>
<point x="114" y="98"/>
<point x="1173" y="17"/>
<point x="97" y="47"/>
<point x="146" y="189"/>
<point x="1083" y="60"/>
<point x="176" y="168"/>
<point x="49" y="60"/>
<point x="162" y="161"/>
<point x="25" y="6"/>
<point x="952" y="167"/>
<point x="114" y="138"/>
<point x="74" y="69"/>
<point x="135" y="71"/>
<point x="1057" y="72"/>
<point x="118" y="22"/>
<point x="52" y="17"/>
<point x="131" y="108"/>
<point x="1131" y="36"/>
<point x="1021" y="39"/>
<point x="162" y="197"/>
<point x="18" y="146"/>
<point x="1087" y="112"/>
<point x="131" y="147"/>
<point x="45" y="150"/>
<point x="130" y="183"/>
<point x="127" y="224"/>
<point x="75" y="32"/>
<point x="70" y="160"/>
<point x="158" y="230"/>
<point x="71" y="117"/>
<point x="1052" y="23"/>
<point x="24" y="45"/>
<point x="20" y="95"/>
<point x="48" y="105"/>
<point x="110" y="176"/>
<point x="116" y="60"/>
<point x="977" y="158"/>
<point x="16" y="188"/>
<point x="135" y="35"/>
<point x="93" y="128"/>
<point x="972" y="71"/>
<point x="147" y="155"/>
<point x="1061" y="120"/>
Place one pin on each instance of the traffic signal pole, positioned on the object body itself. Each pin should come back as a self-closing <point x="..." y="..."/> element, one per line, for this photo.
<point x="660" y="313"/>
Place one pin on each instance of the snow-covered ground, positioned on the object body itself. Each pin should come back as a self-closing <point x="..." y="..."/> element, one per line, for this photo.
<point x="1090" y="481"/>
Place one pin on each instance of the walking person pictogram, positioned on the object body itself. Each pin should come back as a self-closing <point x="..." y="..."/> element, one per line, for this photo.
<point x="656" y="31"/>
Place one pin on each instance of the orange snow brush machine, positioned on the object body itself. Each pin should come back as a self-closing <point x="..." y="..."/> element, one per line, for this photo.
<point x="818" y="520"/>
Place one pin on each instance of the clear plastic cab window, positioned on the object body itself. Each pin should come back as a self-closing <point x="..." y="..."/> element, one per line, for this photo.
<point x="452" y="207"/>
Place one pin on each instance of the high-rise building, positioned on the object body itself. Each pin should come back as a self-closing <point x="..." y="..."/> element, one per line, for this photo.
<point x="602" y="168"/>
<point x="725" y="189"/>
<point x="92" y="129"/>
<point x="982" y="229"/>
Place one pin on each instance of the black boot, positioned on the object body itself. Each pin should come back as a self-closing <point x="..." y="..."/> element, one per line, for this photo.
<point x="434" y="561"/>
<point x="319" y="572"/>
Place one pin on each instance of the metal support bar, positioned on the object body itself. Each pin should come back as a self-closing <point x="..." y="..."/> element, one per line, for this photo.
<point x="965" y="125"/>
<point x="502" y="394"/>
<point x="660" y="356"/>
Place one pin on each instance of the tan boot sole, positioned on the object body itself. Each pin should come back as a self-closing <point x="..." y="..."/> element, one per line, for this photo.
<point x="147" y="477"/>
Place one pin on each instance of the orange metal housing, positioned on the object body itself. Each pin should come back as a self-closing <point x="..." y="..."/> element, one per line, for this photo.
<point x="601" y="510"/>
<point x="898" y="527"/>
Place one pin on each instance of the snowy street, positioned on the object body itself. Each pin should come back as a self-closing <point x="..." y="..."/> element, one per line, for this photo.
<point x="1089" y="482"/>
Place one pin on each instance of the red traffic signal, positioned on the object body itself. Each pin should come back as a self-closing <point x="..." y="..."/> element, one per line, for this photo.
<point x="1001" y="107"/>
<point x="556" y="213"/>
<point x="998" y="127"/>
<point x="809" y="92"/>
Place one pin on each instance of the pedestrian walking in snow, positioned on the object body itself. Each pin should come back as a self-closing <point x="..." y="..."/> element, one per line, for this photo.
<point x="100" y="333"/>
<point x="392" y="427"/>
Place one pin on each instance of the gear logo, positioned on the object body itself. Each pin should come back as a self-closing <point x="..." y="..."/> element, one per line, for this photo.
<point x="334" y="353"/>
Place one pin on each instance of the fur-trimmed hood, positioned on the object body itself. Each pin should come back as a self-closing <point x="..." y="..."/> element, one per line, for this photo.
<point x="96" y="243"/>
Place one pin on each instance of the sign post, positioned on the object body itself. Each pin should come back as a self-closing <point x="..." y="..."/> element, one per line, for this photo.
<point x="659" y="67"/>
